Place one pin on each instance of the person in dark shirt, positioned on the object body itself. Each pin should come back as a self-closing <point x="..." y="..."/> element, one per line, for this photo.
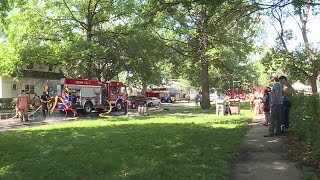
<point x="74" y="105"/>
<point x="44" y="100"/>
<point x="266" y="103"/>
<point x="286" y="103"/>
<point x="276" y="107"/>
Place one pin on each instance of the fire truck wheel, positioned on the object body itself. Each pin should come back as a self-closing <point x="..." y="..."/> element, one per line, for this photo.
<point x="87" y="108"/>
<point x="119" y="106"/>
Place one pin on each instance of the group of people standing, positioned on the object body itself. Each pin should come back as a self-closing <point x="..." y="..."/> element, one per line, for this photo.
<point x="274" y="103"/>
<point x="277" y="105"/>
<point x="24" y="101"/>
<point x="256" y="102"/>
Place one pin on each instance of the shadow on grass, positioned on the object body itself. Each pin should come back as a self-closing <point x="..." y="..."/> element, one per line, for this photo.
<point x="236" y="119"/>
<point x="185" y="110"/>
<point x="148" y="151"/>
<point x="196" y="110"/>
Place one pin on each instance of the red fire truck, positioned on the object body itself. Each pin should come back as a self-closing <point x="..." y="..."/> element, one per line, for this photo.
<point x="163" y="93"/>
<point x="91" y="94"/>
<point x="238" y="93"/>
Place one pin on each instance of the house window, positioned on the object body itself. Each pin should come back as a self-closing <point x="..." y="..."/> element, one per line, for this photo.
<point x="30" y="66"/>
<point x="50" y="68"/>
<point x="14" y="87"/>
<point x="31" y="89"/>
<point x="27" y="89"/>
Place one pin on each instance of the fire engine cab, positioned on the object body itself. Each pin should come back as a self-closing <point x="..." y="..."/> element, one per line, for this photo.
<point x="90" y="94"/>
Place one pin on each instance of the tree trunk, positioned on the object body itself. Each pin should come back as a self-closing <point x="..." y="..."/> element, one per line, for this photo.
<point x="313" y="82"/>
<point x="203" y="39"/>
<point x="231" y="89"/>
<point x="304" y="16"/>
<point x="89" y="64"/>
<point x="144" y="87"/>
<point x="89" y="37"/>
<point x="99" y="78"/>
<point x="205" y="100"/>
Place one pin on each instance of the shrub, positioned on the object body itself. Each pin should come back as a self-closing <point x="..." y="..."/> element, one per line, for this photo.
<point x="304" y="119"/>
<point x="6" y="103"/>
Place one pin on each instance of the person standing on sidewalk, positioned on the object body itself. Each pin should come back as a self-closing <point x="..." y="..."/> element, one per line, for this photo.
<point x="286" y="103"/>
<point x="198" y="99"/>
<point x="44" y="100"/>
<point x="252" y="97"/>
<point x="276" y="107"/>
<point x="74" y="104"/>
<point x="23" y="106"/>
<point x="266" y="109"/>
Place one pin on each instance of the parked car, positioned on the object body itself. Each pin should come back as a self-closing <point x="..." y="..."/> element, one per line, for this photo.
<point x="153" y="101"/>
<point x="213" y="97"/>
<point x="135" y="101"/>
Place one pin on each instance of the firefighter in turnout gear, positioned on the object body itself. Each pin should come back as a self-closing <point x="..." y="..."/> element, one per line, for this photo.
<point x="23" y="106"/>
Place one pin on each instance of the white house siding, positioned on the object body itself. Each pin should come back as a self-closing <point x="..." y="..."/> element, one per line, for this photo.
<point x="5" y="88"/>
<point x="1" y="96"/>
<point x="33" y="85"/>
<point x="36" y="86"/>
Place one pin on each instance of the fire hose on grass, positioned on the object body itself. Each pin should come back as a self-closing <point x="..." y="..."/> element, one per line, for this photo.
<point x="51" y="108"/>
<point x="106" y="114"/>
<point x="32" y="113"/>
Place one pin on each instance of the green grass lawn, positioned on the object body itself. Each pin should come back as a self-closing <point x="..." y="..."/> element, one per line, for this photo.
<point x="154" y="147"/>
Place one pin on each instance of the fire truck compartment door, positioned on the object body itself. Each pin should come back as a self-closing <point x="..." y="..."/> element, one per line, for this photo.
<point x="89" y="92"/>
<point x="59" y="88"/>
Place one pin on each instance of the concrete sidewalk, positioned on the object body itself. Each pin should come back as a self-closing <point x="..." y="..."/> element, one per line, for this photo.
<point x="14" y="123"/>
<point x="11" y="124"/>
<point x="264" y="158"/>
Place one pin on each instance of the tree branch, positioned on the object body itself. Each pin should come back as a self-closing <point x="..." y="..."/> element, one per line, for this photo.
<point x="89" y="13"/>
<point x="73" y="17"/>
<point x="280" y="33"/>
<point x="294" y="66"/>
<point x="176" y="49"/>
<point x="295" y="19"/>
<point x="174" y="40"/>
<point x="94" y="12"/>
<point x="304" y="15"/>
